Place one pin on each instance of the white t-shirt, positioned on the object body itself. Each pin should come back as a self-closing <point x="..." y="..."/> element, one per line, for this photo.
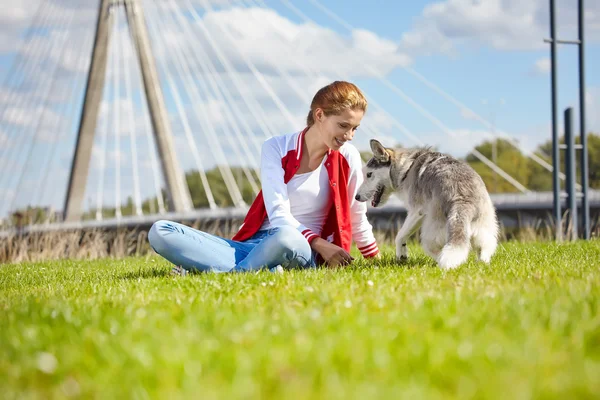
<point x="295" y="207"/>
<point x="309" y="196"/>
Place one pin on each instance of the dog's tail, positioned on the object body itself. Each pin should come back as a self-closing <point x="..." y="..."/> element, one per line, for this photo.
<point x="458" y="226"/>
<point x="486" y="231"/>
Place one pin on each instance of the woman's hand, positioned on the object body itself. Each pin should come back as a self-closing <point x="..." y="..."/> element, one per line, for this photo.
<point x="332" y="254"/>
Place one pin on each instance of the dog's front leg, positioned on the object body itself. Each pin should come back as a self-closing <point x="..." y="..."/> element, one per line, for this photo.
<point x="410" y="225"/>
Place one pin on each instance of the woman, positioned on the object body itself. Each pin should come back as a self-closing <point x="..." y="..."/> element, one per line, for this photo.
<point x="305" y="214"/>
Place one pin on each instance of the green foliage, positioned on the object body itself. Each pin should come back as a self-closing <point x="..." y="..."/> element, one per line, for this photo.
<point x="545" y="151"/>
<point x="32" y="215"/>
<point x="218" y="188"/>
<point x="524" y="169"/>
<point x="528" y="171"/>
<point x="526" y="326"/>
<point x="366" y="155"/>
<point x="508" y="158"/>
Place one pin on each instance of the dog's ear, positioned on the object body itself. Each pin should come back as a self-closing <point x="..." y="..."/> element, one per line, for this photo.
<point x="379" y="152"/>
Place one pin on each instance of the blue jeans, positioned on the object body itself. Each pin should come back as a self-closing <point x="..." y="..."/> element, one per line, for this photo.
<point x="196" y="250"/>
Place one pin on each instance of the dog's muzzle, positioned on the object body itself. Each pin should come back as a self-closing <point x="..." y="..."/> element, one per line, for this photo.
<point x="377" y="196"/>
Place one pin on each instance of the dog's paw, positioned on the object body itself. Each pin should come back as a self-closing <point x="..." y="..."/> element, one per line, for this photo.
<point x="402" y="252"/>
<point x="453" y="256"/>
<point x="485" y="258"/>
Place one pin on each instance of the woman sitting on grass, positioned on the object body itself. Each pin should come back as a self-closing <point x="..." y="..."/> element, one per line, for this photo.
<point x="305" y="214"/>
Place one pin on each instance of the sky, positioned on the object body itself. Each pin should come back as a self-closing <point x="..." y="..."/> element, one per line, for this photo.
<point x="448" y="73"/>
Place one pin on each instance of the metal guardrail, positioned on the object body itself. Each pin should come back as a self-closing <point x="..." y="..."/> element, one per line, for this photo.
<point x="506" y="203"/>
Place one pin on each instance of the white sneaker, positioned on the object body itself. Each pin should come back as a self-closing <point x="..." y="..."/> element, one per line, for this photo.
<point x="277" y="270"/>
<point x="179" y="271"/>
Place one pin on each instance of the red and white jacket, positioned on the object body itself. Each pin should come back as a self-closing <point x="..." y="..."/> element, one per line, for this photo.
<point x="346" y="220"/>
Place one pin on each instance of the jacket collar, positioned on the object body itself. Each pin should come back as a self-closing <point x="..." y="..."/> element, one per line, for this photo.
<point x="300" y="140"/>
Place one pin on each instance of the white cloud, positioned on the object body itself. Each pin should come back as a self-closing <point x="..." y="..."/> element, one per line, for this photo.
<point x="107" y="158"/>
<point x="4" y="140"/>
<point x="32" y="117"/>
<point x="76" y="56"/>
<point x="377" y="120"/>
<point x="542" y="66"/>
<point x="447" y="25"/>
<point x="311" y="55"/>
<point x="528" y="138"/>
<point x="261" y="36"/>
<point x="129" y="118"/>
<point x="16" y="18"/>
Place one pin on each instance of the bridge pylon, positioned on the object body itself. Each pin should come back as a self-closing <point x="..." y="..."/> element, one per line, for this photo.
<point x="178" y="195"/>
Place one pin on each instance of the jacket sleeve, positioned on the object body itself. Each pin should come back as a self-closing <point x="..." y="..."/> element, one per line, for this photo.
<point x="362" y="231"/>
<point x="275" y="191"/>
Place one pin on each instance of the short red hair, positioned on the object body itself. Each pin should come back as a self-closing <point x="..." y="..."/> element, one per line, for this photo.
<point x="335" y="98"/>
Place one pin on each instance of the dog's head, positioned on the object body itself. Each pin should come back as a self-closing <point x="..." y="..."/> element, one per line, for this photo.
<point x="377" y="184"/>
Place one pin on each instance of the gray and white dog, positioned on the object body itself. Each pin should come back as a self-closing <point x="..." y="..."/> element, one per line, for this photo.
<point x="444" y="196"/>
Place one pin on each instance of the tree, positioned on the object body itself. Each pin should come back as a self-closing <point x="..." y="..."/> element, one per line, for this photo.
<point x="528" y="171"/>
<point x="545" y="151"/>
<point x="218" y="188"/>
<point x="366" y="155"/>
<point x="508" y="158"/>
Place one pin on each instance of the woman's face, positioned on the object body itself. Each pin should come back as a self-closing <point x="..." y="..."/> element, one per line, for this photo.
<point x="338" y="129"/>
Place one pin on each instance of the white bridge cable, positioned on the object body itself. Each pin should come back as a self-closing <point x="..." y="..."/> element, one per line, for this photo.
<point x="247" y="95"/>
<point x="31" y="42"/>
<point x="306" y="67"/>
<point x="217" y="84"/>
<point x="19" y="174"/>
<point x="127" y="53"/>
<point x="442" y="126"/>
<point x="181" y="184"/>
<point x="184" y="72"/>
<point x="147" y="128"/>
<point x="38" y="19"/>
<point x="208" y="131"/>
<point x="303" y="94"/>
<point x="493" y="132"/>
<point x="20" y="66"/>
<point x="446" y="95"/>
<point x="181" y="111"/>
<point x="154" y="163"/>
<point x="18" y="132"/>
<point x="116" y="109"/>
<point x="105" y="126"/>
<point x="36" y="132"/>
<point x="449" y="132"/>
<point x="102" y="166"/>
<point x="249" y="155"/>
<point x="257" y="74"/>
<point x="62" y="126"/>
<point x="15" y="168"/>
<point x="14" y="109"/>
<point x="370" y="100"/>
<point x="76" y="87"/>
<point x="72" y="113"/>
<point x="422" y="110"/>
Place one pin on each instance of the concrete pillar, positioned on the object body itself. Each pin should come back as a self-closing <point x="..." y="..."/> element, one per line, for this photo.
<point x="177" y="190"/>
<point x="89" y="116"/>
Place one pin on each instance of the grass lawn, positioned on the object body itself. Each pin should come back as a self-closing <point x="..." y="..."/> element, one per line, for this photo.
<point x="527" y="326"/>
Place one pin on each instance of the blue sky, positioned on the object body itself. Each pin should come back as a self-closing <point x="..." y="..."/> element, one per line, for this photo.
<point x="489" y="55"/>
<point x="492" y="81"/>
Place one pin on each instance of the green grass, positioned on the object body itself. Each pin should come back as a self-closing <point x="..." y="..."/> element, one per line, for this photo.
<point x="527" y="326"/>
